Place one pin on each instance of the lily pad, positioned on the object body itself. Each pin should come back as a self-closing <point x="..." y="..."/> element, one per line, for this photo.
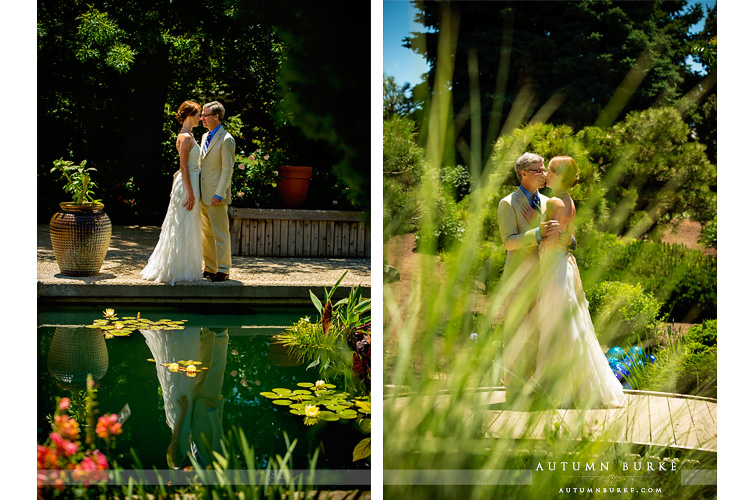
<point x="281" y="390"/>
<point x="305" y="384"/>
<point x="282" y="402"/>
<point x="270" y="395"/>
<point x="348" y="414"/>
<point x="328" y="416"/>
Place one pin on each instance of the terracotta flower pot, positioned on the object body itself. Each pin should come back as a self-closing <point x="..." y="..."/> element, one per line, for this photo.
<point x="80" y="237"/>
<point x="293" y="185"/>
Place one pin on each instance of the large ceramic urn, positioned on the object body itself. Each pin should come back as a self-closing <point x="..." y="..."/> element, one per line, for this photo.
<point x="80" y="237"/>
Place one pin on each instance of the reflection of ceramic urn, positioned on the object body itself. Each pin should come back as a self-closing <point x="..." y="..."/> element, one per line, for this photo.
<point x="76" y="352"/>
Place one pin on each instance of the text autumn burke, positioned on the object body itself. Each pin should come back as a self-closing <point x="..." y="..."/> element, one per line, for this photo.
<point x="605" y="466"/>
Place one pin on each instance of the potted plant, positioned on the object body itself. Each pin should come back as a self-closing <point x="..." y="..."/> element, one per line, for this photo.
<point x="265" y="173"/>
<point x="80" y="232"/>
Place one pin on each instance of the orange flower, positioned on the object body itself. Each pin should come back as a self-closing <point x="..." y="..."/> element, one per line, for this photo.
<point x="107" y="426"/>
<point x="67" y="427"/>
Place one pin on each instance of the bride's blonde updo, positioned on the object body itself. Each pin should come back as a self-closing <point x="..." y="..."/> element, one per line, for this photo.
<point x="187" y="108"/>
<point x="566" y="168"/>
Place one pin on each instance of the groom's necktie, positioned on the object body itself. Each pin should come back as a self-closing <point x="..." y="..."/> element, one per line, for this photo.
<point x="536" y="203"/>
<point x="208" y="141"/>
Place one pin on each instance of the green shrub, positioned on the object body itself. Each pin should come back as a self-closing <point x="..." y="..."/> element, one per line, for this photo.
<point x="623" y="313"/>
<point x="684" y="280"/>
<point x="456" y="181"/>
<point x="448" y="229"/>
<point x="651" y="172"/>
<point x="708" y="234"/>
<point x="689" y="365"/>
<point x="403" y="165"/>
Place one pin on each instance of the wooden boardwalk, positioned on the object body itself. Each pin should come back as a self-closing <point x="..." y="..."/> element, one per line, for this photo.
<point x="648" y="418"/>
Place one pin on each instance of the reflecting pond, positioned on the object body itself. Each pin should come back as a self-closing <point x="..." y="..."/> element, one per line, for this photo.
<point x="235" y="359"/>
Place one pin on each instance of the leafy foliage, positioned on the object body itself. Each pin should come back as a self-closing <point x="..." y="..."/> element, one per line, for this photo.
<point x="623" y="313"/>
<point x="683" y="280"/>
<point x="555" y="63"/>
<point x="339" y="344"/>
<point x="709" y="234"/>
<point x="114" y="74"/>
<point x="651" y="172"/>
<point x="77" y="180"/>
<point x="403" y="166"/>
<point x="688" y="364"/>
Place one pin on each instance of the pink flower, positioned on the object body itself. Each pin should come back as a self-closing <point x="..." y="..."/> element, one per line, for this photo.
<point x="235" y="352"/>
<point x="252" y="158"/>
<point x="64" y="404"/>
<point x="67" y="447"/>
<point x="233" y="373"/>
<point x="241" y="166"/>
<point x="266" y="157"/>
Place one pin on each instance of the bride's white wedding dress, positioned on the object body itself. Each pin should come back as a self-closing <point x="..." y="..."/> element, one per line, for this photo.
<point x="572" y="370"/>
<point x="178" y="255"/>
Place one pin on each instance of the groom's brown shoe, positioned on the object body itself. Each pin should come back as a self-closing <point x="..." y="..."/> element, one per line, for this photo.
<point x="209" y="275"/>
<point x="220" y="277"/>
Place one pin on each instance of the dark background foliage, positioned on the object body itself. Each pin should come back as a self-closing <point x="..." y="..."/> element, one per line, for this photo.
<point x="112" y="74"/>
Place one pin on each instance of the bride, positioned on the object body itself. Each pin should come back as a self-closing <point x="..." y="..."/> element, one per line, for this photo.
<point x="178" y="255"/>
<point x="571" y="368"/>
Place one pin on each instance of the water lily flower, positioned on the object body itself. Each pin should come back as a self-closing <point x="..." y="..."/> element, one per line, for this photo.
<point x="311" y="411"/>
<point x="191" y="370"/>
<point x="320" y="385"/>
<point x="173" y="367"/>
<point x="109" y="313"/>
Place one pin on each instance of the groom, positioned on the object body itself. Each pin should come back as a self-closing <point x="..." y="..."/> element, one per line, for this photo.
<point x="216" y="162"/>
<point x="519" y="216"/>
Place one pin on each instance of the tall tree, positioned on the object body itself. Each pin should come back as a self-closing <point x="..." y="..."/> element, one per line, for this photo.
<point x="574" y="62"/>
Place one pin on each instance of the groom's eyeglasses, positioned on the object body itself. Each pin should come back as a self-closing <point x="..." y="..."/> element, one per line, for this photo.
<point x="537" y="170"/>
<point x="207" y="114"/>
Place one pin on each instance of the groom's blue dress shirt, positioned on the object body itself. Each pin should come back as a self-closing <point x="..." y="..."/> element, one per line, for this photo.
<point x="529" y="196"/>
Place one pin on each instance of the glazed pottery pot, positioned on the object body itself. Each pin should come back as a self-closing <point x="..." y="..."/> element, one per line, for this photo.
<point x="80" y="237"/>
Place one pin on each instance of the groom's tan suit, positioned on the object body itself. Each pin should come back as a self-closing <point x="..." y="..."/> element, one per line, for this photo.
<point x="521" y="283"/>
<point x="216" y="179"/>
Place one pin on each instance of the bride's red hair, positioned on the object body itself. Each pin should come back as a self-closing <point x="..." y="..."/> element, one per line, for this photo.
<point x="566" y="168"/>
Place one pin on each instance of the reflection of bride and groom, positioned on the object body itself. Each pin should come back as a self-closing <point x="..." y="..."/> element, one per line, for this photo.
<point x="551" y="351"/>
<point x="193" y="405"/>
<point x="194" y="242"/>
